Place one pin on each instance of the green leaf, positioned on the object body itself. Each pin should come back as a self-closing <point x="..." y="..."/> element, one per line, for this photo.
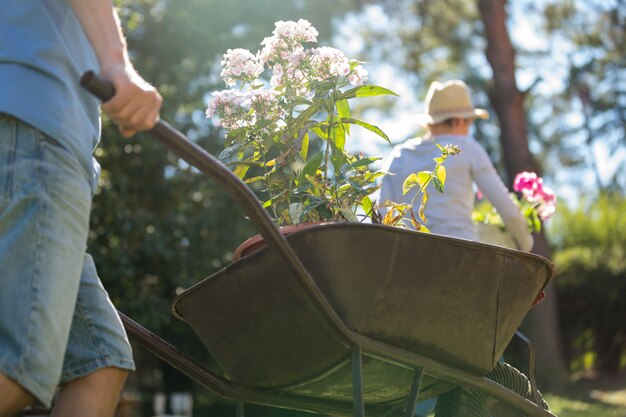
<point x="312" y="165"/>
<point x="343" y="110"/>
<point x="421" y="179"/>
<point x="349" y="215"/>
<point x="255" y="179"/>
<point x="240" y="170"/>
<point x="226" y="153"/>
<point x="441" y="174"/>
<point x="439" y="160"/>
<point x="304" y="149"/>
<point x="410" y="182"/>
<point x="338" y="158"/>
<point x="438" y="184"/>
<point x="533" y="218"/>
<point x="366" y="91"/>
<point x="324" y="212"/>
<point x="302" y="118"/>
<point x="338" y="135"/>
<point x="364" y="162"/>
<point x="367" y="126"/>
<point x="424" y="177"/>
<point x="319" y="131"/>
<point x="234" y="134"/>
<point x="267" y="204"/>
<point x="301" y="101"/>
<point x="423" y="206"/>
<point x="367" y="205"/>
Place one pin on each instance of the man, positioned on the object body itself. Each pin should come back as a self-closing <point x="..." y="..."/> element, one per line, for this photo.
<point x="449" y="116"/>
<point x="57" y="325"/>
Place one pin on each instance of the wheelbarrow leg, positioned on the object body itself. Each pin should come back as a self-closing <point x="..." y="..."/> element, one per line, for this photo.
<point x="240" y="408"/>
<point x="537" y="399"/>
<point x="415" y="392"/>
<point x="357" y="382"/>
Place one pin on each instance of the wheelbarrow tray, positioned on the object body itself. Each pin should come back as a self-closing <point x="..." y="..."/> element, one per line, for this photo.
<point x="452" y="300"/>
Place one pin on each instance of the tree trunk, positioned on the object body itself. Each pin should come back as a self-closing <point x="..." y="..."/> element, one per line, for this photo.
<point x="542" y="323"/>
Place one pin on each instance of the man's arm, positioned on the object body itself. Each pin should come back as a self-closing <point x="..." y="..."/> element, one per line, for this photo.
<point x="136" y="103"/>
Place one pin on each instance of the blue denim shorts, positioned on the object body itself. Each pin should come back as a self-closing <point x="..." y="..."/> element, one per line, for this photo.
<point x="56" y="320"/>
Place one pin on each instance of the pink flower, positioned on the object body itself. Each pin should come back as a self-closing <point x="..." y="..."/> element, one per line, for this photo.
<point x="529" y="184"/>
<point x="534" y="194"/>
<point x="525" y="181"/>
<point x="547" y="207"/>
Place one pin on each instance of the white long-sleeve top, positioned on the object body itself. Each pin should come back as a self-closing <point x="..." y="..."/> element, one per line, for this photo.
<point x="450" y="213"/>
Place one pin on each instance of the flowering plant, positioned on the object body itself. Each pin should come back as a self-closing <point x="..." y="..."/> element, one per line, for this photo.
<point x="537" y="202"/>
<point x="287" y="118"/>
<point x="402" y="214"/>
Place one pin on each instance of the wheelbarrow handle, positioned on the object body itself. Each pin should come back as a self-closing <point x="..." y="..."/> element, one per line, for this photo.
<point x="244" y="196"/>
<point x="98" y="86"/>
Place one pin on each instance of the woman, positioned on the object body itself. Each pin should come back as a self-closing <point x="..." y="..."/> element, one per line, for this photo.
<point x="449" y="116"/>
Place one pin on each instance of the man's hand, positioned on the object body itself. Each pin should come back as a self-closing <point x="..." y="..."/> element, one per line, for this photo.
<point x="136" y="104"/>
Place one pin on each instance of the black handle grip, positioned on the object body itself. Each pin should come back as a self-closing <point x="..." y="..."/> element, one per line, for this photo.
<point x="98" y="86"/>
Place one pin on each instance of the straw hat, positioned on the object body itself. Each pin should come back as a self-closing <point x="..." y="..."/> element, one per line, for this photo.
<point x="449" y="100"/>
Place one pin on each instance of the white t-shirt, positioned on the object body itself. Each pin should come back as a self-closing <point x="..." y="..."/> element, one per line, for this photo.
<point x="450" y="213"/>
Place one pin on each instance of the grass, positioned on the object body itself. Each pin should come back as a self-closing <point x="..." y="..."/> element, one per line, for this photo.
<point x="563" y="406"/>
<point x="591" y="397"/>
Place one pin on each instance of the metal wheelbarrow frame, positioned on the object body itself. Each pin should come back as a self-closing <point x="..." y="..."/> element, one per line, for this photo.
<point x="359" y="345"/>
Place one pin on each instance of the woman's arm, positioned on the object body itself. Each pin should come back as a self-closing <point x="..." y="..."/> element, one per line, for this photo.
<point x="136" y="103"/>
<point x="491" y="185"/>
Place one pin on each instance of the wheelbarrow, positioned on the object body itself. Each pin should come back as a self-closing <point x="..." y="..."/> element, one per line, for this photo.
<point x="351" y="319"/>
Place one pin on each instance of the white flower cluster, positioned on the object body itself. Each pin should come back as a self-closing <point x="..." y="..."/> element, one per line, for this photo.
<point x="326" y="60"/>
<point x="301" y="31"/>
<point x="240" y="64"/>
<point x="294" y="69"/>
<point x="287" y="38"/>
<point x="232" y="106"/>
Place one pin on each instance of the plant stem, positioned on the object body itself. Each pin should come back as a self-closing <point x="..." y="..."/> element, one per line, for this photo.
<point x="327" y="150"/>
<point x="268" y="183"/>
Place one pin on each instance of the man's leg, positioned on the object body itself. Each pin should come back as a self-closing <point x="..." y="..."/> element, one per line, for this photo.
<point x="94" y="395"/>
<point x="14" y="397"/>
<point x="98" y="355"/>
<point x="44" y="222"/>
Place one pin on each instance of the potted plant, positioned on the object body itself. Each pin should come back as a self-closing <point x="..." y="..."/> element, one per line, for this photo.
<point x="537" y="203"/>
<point x="287" y="118"/>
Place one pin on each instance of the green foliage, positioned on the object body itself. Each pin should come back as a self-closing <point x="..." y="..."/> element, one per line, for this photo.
<point x="592" y="35"/>
<point x="591" y="261"/>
